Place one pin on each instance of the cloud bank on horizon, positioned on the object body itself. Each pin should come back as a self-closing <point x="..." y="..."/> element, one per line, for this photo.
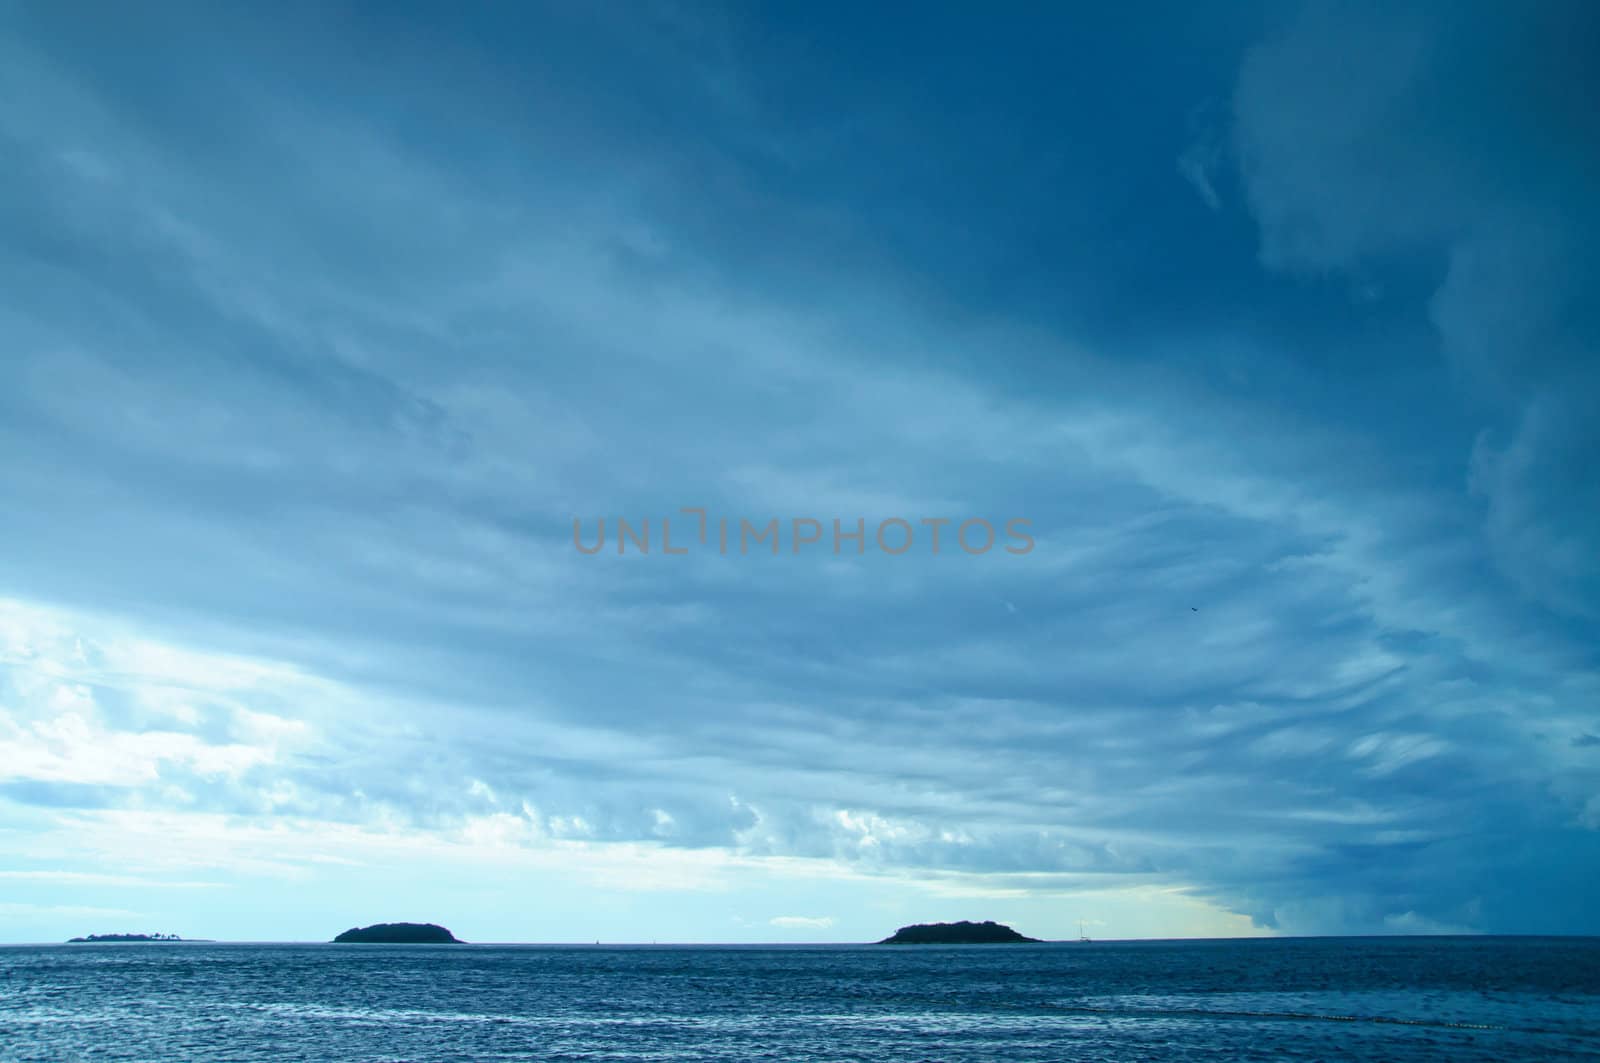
<point x="323" y="325"/>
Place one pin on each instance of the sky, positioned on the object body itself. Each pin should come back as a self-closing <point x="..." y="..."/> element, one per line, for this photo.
<point x="330" y="333"/>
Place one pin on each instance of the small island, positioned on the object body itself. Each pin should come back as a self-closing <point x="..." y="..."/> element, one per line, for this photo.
<point x="987" y="932"/>
<point x="398" y="934"/>
<point x="100" y="939"/>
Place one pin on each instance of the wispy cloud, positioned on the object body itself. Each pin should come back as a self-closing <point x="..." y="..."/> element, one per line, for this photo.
<point x="801" y="922"/>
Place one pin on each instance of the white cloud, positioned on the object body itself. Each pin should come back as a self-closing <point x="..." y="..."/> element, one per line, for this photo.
<point x="95" y="878"/>
<point x="801" y="922"/>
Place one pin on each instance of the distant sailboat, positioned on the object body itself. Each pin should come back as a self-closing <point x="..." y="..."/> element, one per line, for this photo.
<point x="1083" y="939"/>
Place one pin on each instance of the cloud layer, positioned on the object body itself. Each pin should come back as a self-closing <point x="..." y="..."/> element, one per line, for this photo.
<point x="309" y="374"/>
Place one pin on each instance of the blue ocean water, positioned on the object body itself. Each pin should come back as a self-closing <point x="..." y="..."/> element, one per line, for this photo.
<point x="1362" y="999"/>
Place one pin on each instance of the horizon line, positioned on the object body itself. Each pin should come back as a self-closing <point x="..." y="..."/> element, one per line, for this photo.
<point x="796" y="944"/>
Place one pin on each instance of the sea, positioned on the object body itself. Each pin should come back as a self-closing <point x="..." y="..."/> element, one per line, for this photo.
<point x="1433" y="998"/>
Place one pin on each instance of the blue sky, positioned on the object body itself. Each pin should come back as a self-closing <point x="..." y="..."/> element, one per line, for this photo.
<point x="323" y="323"/>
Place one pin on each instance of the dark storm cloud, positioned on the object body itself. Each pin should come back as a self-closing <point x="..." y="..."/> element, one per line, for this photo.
<point x="320" y="368"/>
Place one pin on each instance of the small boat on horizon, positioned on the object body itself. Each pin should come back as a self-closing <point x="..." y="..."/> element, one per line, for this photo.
<point x="1083" y="939"/>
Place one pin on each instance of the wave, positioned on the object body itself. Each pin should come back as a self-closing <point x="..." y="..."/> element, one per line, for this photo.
<point x="1283" y="1016"/>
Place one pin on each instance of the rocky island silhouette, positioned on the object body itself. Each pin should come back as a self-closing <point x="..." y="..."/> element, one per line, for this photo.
<point x="398" y="934"/>
<point x="987" y="932"/>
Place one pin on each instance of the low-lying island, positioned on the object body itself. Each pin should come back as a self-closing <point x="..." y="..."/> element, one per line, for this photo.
<point x="987" y="932"/>
<point x="398" y="934"/>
